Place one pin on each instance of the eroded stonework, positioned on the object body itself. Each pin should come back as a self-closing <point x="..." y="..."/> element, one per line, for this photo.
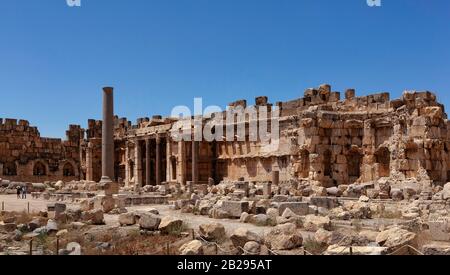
<point x="26" y="156"/>
<point x="323" y="140"/>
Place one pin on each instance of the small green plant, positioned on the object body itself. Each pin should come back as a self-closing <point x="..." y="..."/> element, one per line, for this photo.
<point x="43" y="241"/>
<point x="176" y="231"/>
<point x="313" y="246"/>
<point x="357" y="224"/>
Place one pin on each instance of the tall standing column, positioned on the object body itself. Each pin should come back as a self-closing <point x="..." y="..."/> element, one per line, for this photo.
<point x="137" y="164"/>
<point x="127" y="164"/>
<point x="182" y="162"/>
<point x="169" y="169"/>
<point x="158" y="161"/>
<point x="195" y="162"/>
<point x="108" y="134"/>
<point x="147" y="161"/>
<point x="275" y="177"/>
<point x="89" y="166"/>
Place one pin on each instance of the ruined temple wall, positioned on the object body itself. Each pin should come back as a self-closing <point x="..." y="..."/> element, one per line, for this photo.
<point x="326" y="139"/>
<point x="358" y="139"/>
<point x="25" y="156"/>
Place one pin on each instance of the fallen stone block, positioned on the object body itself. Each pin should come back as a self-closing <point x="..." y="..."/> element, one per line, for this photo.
<point x="192" y="248"/>
<point x="241" y="236"/>
<point x="235" y="208"/>
<point x="436" y="249"/>
<point x="212" y="231"/>
<point x="284" y="237"/>
<point x="356" y="250"/>
<point x="440" y="230"/>
<point x="149" y="221"/>
<point x="170" y="225"/>
<point x="299" y="208"/>
<point x="127" y="219"/>
<point x="325" y="202"/>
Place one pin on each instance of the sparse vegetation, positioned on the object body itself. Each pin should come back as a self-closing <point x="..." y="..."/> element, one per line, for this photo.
<point x="313" y="246"/>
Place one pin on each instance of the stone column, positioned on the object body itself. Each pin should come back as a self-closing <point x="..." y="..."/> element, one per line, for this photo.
<point x="195" y="162"/>
<point x="89" y="166"/>
<point x="275" y="177"/>
<point x="182" y="162"/>
<point x="267" y="190"/>
<point x="127" y="164"/>
<point x="169" y="168"/>
<point x="137" y="164"/>
<point x="108" y="134"/>
<point x="158" y="161"/>
<point x="147" y="161"/>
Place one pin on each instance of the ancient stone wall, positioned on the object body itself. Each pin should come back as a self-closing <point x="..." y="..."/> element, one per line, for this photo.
<point x="357" y="139"/>
<point x="324" y="139"/>
<point x="25" y="156"/>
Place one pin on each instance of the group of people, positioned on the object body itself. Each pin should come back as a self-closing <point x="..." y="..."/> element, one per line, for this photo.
<point x="21" y="192"/>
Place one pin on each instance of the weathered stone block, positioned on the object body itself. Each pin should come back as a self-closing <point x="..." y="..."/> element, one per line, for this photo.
<point x="325" y="202"/>
<point x="299" y="208"/>
<point x="235" y="208"/>
<point x="440" y="230"/>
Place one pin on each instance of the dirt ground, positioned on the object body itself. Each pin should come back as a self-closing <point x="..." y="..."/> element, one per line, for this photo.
<point x="11" y="203"/>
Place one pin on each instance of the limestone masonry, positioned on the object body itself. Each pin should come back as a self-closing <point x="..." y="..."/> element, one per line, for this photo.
<point x="323" y="138"/>
<point x="358" y="175"/>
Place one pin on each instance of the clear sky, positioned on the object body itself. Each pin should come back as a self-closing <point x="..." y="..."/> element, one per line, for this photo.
<point x="54" y="59"/>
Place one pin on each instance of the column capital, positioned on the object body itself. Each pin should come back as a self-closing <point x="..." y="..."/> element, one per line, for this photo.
<point x="108" y="89"/>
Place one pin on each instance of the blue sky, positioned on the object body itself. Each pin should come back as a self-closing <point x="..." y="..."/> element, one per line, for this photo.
<point x="157" y="54"/>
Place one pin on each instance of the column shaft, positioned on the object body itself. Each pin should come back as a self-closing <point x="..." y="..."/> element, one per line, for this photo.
<point x="158" y="161"/>
<point x="89" y="165"/>
<point x="169" y="168"/>
<point x="137" y="164"/>
<point x="195" y="162"/>
<point x="182" y="162"/>
<point x="108" y="134"/>
<point x="147" y="162"/>
<point x="127" y="165"/>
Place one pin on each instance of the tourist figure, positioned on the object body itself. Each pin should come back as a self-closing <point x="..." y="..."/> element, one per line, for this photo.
<point x="19" y="190"/>
<point x="24" y="192"/>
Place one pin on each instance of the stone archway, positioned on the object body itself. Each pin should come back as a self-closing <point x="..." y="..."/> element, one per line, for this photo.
<point x="10" y="169"/>
<point x="39" y="169"/>
<point x="68" y="170"/>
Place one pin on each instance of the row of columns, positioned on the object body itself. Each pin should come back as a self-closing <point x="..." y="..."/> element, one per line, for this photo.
<point x="138" y="162"/>
<point x="181" y="165"/>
